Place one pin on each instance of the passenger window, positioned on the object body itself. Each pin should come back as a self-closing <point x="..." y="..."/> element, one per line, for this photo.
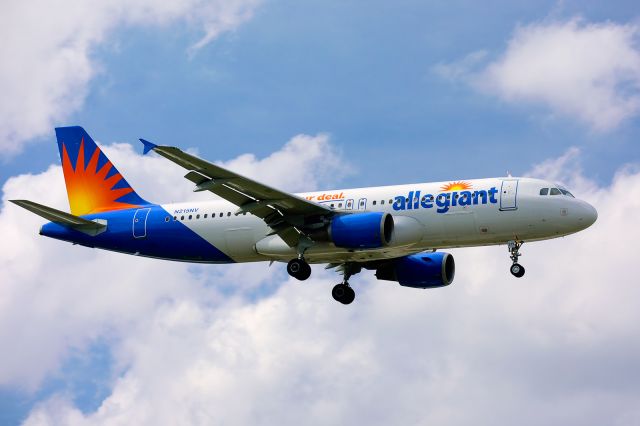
<point x="221" y="214"/>
<point x="197" y="216"/>
<point x="544" y="191"/>
<point x="340" y="205"/>
<point x="166" y="219"/>
<point x="382" y="202"/>
<point x="228" y="214"/>
<point x="390" y="201"/>
<point x="175" y="218"/>
<point x="181" y="217"/>
<point x="554" y="191"/>
<point x="190" y="216"/>
<point x="374" y="202"/>
<point x="205" y="216"/>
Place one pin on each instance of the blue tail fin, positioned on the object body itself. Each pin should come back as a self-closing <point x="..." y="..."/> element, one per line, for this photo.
<point x="93" y="183"/>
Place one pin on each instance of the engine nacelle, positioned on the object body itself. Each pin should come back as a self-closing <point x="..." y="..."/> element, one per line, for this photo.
<point x="421" y="270"/>
<point x="361" y="230"/>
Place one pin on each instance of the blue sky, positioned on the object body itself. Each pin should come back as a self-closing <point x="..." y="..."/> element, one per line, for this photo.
<point x="364" y="75"/>
<point x="378" y="78"/>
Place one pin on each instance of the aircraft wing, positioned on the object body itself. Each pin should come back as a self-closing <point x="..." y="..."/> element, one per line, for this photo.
<point x="285" y="213"/>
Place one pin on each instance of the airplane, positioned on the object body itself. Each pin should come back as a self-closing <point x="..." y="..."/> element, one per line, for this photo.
<point x="396" y="231"/>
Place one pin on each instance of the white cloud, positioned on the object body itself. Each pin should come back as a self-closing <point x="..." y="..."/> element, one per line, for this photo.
<point x="459" y="70"/>
<point x="586" y="71"/>
<point x="52" y="298"/>
<point x="328" y="166"/>
<point x="47" y="47"/>
<point x="301" y="165"/>
<point x="556" y="347"/>
<point x="566" y="169"/>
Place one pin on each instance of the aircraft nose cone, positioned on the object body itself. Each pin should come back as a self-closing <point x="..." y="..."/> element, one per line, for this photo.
<point x="588" y="215"/>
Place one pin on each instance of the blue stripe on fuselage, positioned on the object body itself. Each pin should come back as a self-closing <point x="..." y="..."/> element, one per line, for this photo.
<point x="164" y="239"/>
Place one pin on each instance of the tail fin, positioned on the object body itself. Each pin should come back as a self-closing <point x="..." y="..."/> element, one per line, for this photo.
<point x="93" y="183"/>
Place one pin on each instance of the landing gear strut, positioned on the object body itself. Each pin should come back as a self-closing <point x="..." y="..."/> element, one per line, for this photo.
<point x="517" y="270"/>
<point x="299" y="269"/>
<point x="343" y="292"/>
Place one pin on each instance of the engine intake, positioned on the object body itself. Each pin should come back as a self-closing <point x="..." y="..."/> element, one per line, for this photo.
<point x="421" y="270"/>
<point x="361" y="230"/>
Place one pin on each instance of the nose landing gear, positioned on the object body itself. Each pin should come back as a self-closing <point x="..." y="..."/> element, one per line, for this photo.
<point x="517" y="270"/>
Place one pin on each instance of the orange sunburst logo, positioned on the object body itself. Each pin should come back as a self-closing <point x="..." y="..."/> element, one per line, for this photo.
<point x="456" y="186"/>
<point x="89" y="189"/>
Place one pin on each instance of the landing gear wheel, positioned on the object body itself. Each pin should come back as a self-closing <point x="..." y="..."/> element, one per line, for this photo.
<point x="517" y="270"/>
<point x="343" y="293"/>
<point x="299" y="269"/>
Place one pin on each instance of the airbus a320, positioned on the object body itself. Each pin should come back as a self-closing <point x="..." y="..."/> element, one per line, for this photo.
<point x="396" y="231"/>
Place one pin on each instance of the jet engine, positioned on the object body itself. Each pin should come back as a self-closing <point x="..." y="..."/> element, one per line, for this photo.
<point x="361" y="230"/>
<point x="421" y="270"/>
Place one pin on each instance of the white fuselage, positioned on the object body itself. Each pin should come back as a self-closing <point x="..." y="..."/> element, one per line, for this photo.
<point x="426" y="215"/>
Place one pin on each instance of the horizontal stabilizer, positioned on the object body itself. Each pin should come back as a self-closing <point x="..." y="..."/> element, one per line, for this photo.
<point x="65" y="219"/>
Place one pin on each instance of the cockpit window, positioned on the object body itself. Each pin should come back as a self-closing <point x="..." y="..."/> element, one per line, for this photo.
<point x="544" y="191"/>
<point x="567" y="193"/>
<point x="555" y="191"/>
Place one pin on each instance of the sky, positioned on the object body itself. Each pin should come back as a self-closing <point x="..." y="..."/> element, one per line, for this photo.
<point x="305" y="96"/>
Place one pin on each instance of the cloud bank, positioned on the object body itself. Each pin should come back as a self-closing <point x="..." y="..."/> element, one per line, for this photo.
<point x="77" y="296"/>
<point x="245" y="344"/>
<point x="46" y="52"/>
<point x="586" y="71"/>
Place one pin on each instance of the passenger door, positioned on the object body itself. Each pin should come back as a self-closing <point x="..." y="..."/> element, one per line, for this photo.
<point x="509" y="194"/>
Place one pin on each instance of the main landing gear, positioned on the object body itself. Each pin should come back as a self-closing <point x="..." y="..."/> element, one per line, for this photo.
<point x="517" y="270"/>
<point x="299" y="269"/>
<point x="343" y="292"/>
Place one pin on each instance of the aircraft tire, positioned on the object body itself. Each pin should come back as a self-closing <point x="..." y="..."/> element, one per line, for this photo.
<point x="517" y="270"/>
<point x="299" y="269"/>
<point x="343" y="293"/>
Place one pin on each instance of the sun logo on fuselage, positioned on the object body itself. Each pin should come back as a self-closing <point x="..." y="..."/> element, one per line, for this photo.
<point x="456" y="186"/>
<point x="92" y="190"/>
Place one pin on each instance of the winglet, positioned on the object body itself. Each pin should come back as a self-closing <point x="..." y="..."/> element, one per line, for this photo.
<point x="148" y="146"/>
